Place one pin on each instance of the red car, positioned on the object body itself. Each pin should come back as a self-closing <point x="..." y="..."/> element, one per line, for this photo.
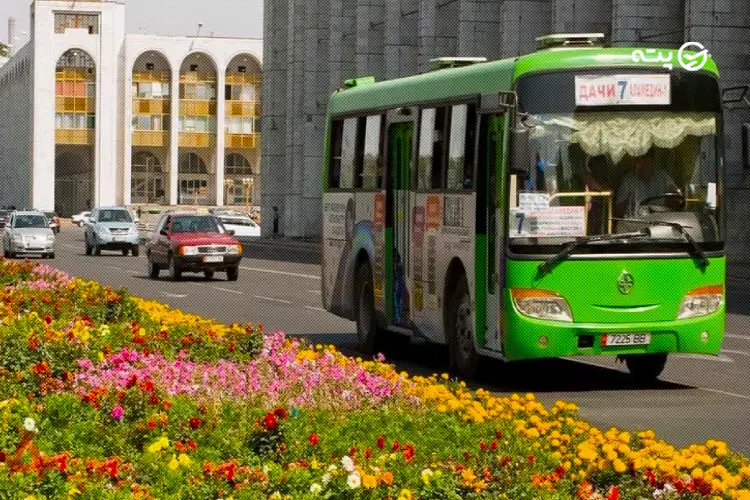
<point x="190" y="242"/>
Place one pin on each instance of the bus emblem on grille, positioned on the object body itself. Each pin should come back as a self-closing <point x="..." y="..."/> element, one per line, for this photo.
<point x="625" y="283"/>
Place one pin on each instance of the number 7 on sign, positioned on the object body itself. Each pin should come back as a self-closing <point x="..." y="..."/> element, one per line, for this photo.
<point x="520" y="216"/>
<point x="623" y="85"/>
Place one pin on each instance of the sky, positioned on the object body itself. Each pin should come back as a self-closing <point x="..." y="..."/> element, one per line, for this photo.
<point x="231" y="18"/>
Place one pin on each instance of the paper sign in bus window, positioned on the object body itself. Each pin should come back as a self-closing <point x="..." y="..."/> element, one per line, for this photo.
<point x="553" y="222"/>
<point x="533" y="202"/>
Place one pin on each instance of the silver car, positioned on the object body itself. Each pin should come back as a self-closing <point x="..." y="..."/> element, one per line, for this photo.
<point x="28" y="233"/>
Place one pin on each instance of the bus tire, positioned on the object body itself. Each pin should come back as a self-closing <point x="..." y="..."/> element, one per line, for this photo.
<point x="463" y="355"/>
<point x="364" y="297"/>
<point x="645" y="368"/>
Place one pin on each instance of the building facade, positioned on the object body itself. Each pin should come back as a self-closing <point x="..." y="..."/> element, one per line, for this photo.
<point x="312" y="46"/>
<point x="90" y="115"/>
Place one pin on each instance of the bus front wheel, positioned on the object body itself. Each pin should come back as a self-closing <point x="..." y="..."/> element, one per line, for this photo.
<point x="645" y="368"/>
<point x="367" y="328"/>
<point x="463" y="355"/>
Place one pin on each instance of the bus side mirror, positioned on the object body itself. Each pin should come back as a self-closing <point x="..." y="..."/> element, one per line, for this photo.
<point x="520" y="149"/>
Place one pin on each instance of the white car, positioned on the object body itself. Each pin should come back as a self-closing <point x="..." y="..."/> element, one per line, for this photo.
<point x="80" y="219"/>
<point x="28" y="233"/>
<point x="242" y="225"/>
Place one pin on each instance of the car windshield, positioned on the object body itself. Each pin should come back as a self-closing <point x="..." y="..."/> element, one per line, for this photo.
<point x="607" y="169"/>
<point x="30" y="221"/>
<point x="115" y="216"/>
<point x="195" y="224"/>
<point x="238" y="221"/>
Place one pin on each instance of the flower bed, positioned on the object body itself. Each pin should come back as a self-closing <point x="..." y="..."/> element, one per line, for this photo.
<point x="104" y="395"/>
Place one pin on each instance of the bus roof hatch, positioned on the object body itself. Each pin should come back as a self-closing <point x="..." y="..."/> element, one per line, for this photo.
<point x="356" y="82"/>
<point x="454" y="62"/>
<point x="570" y="39"/>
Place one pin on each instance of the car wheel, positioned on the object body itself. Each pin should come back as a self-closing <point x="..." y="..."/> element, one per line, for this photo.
<point x="233" y="273"/>
<point x="52" y="255"/>
<point x="364" y="296"/>
<point x="153" y="269"/>
<point x="175" y="273"/>
<point x="645" y="368"/>
<point x="124" y="252"/>
<point x="460" y="328"/>
<point x="88" y="247"/>
<point x="97" y="250"/>
<point x="208" y="274"/>
<point x="135" y="250"/>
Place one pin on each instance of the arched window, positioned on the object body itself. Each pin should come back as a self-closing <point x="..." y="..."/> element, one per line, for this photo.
<point x="191" y="163"/>
<point x="237" y="164"/>
<point x="146" y="161"/>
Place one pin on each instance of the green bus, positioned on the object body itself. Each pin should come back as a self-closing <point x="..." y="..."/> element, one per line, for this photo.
<point x="562" y="203"/>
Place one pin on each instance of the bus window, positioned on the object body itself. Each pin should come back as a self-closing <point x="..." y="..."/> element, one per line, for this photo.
<point x="371" y="162"/>
<point x="432" y="149"/>
<point x="348" y="153"/>
<point x="462" y="144"/>
<point x="334" y="171"/>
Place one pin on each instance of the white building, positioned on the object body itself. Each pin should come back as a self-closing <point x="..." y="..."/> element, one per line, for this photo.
<point x="92" y="116"/>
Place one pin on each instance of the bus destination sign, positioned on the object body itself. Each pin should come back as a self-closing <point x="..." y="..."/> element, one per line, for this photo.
<point x="609" y="90"/>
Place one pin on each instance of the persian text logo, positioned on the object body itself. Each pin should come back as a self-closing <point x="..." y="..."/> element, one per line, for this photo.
<point x="690" y="62"/>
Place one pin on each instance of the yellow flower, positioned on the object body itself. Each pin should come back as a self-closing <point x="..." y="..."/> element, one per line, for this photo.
<point x="369" y="481"/>
<point x="405" y="495"/>
<point x="184" y="460"/>
<point x="174" y="463"/>
<point x="426" y="475"/>
<point x="619" y="466"/>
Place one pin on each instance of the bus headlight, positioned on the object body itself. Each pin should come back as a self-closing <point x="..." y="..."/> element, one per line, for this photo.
<point x="541" y="304"/>
<point x="701" y="302"/>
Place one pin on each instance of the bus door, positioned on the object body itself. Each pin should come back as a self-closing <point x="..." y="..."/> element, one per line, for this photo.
<point x="490" y="223"/>
<point x="398" y="207"/>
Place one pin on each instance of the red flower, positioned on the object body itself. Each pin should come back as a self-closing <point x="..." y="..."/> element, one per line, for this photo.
<point x="280" y="412"/>
<point x="498" y="434"/>
<point x="192" y="445"/>
<point x="153" y="400"/>
<point x="409" y="452"/>
<point x="395" y="446"/>
<point x="3" y="457"/>
<point x="270" y="421"/>
<point x="381" y="442"/>
<point x="614" y="493"/>
<point x="148" y="386"/>
<point x="313" y="438"/>
<point x="352" y="451"/>
<point x="48" y="319"/>
<point x="482" y="445"/>
<point x="195" y="422"/>
<point x="493" y="446"/>
<point x="505" y="461"/>
<point x="368" y="453"/>
<point x="532" y="459"/>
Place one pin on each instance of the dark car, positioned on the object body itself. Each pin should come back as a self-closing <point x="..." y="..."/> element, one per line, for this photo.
<point x="4" y="217"/>
<point x="191" y="242"/>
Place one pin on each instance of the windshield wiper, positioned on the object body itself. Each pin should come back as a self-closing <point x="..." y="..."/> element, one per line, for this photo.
<point x="547" y="266"/>
<point x="697" y="250"/>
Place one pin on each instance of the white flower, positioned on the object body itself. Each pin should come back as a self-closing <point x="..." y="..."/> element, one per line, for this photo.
<point x="30" y="425"/>
<point x="347" y="463"/>
<point x="265" y="470"/>
<point x="354" y="481"/>
<point x="326" y="478"/>
<point x="315" y="488"/>
<point x="332" y="468"/>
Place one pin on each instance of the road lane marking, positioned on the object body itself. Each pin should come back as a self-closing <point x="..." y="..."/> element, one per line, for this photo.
<point x="704" y="357"/>
<point x="285" y="273"/>
<point x="733" y="336"/>
<point x="315" y="308"/>
<point x="228" y="290"/>
<point x="271" y="299"/>
<point x="725" y="393"/>
<point x="176" y="295"/>
<point x="741" y="353"/>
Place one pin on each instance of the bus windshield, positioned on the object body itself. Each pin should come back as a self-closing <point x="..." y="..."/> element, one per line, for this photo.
<point x="618" y="168"/>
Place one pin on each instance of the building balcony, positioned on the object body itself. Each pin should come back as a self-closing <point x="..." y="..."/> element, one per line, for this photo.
<point x="157" y="106"/>
<point x="196" y="139"/>
<point x="241" y="141"/>
<point x="75" y="105"/>
<point x="242" y="78"/>
<point x="83" y="137"/>
<point x="239" y="108"/>
<point x="154" y="138"/>
<point x="152" y="76"/>
<point x="194" y="107"/>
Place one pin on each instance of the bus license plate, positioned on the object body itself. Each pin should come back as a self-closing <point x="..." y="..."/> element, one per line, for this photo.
<point x="213" y="258"/>
<point x="616" y="339"/>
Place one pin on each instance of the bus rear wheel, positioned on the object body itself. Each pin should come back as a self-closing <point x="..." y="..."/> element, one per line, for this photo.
<point x="645" y="368"/>
<point x="367" y="328"/>
<point x="463" y="354"/>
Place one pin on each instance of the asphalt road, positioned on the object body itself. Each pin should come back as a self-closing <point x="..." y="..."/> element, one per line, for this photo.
<point x="697" y="398"/>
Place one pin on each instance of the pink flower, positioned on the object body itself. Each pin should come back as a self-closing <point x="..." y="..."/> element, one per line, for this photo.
<point x="118" y="412"/>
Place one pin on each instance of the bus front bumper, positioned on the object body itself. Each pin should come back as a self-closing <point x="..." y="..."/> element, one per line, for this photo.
<point x="532" y="338"/>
